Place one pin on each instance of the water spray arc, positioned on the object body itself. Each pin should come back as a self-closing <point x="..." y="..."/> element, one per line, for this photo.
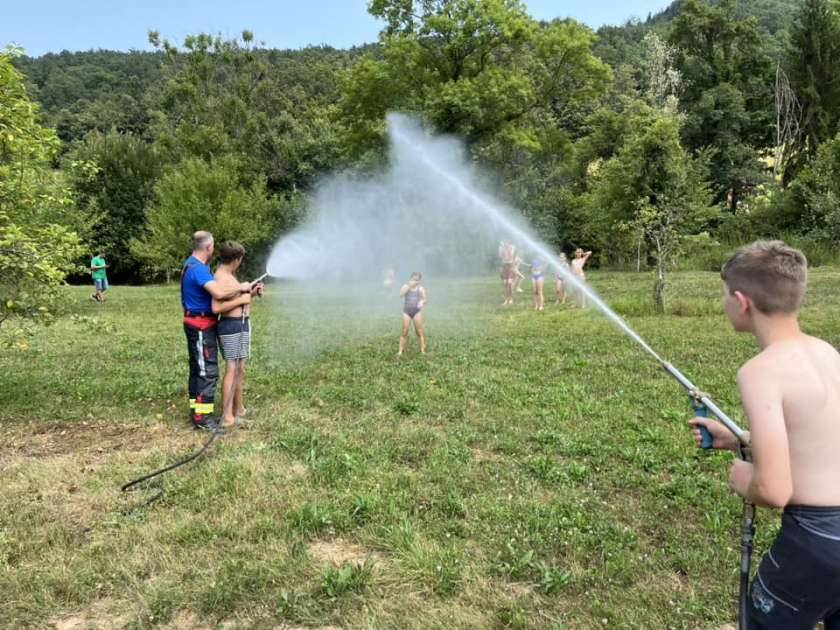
<point x="701" y="402"/>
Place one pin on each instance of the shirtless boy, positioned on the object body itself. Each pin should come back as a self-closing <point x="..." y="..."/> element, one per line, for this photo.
<point x="791" y="396"/>
<point x="233" y="331"/>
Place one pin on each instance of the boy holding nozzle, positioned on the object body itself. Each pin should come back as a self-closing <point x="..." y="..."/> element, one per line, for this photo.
<point x="791" y="395"/>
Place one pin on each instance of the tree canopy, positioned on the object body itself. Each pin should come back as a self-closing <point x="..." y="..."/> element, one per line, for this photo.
<point x="631" y="140"/>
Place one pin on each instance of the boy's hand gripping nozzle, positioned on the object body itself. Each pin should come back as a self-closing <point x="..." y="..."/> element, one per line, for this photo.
<point x="703" y="406"/>
<point x="701" y="411"/>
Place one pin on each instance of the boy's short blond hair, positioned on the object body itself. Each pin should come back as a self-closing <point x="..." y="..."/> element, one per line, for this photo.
<point x="771" y="273"/>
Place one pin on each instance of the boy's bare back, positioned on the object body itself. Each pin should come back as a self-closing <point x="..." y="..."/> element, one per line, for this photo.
<point x="791" y="393"/>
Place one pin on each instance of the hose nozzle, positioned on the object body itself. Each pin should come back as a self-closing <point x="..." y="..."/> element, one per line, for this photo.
<point x="701" y="402"/>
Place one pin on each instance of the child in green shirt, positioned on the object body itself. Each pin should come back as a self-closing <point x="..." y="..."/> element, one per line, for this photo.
<point x="99" y="275"/>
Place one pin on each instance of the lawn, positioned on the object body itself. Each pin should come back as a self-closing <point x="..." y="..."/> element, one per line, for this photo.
<point x="532" y="470"/>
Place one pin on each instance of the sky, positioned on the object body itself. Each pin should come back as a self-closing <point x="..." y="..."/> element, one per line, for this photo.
<point x="42" y="26"/>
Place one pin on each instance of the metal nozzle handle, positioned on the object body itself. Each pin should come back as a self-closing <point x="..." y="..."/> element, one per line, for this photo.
<point x="728" y="422"/>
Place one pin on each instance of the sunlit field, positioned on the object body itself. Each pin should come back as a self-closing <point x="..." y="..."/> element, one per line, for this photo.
<point x="532" y="470"/>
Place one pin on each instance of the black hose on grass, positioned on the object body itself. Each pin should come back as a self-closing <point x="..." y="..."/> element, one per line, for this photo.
<point x="178" y="464"/>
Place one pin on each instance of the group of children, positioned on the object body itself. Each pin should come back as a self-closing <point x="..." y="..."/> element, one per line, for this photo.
<point x="415" y="296"/>
<point x="512" y="276"/>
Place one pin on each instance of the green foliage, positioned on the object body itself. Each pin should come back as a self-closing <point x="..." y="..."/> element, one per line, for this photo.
<point x="38" y="245"/>
<point x="476" y="68"/>
<point x="93" y="90"/>
<point x="195" y="195"/>
<point x="813" y="59"/>
<point x="517" y="91"/>
<point x="818" y="191"/>
<point x="117" y="192"/>
<point x="544" y="107"/>
<point x="221" y="97"/>
<point x="725" y="92"/>
<point x="651" y="189"/>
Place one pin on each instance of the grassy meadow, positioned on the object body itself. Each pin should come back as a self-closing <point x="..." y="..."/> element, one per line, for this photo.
<point x="532" y="470"/>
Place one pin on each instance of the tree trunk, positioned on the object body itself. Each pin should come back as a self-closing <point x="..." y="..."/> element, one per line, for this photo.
<point x="639" y="255"/>
<point x="659" y="283"/>
<point x="659" y="291"/>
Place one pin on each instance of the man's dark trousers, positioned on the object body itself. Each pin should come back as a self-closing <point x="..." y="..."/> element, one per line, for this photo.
<point x="204" y="370"/>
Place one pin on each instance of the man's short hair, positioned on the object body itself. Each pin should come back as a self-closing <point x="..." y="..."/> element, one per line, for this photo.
<point x="230" y="251"/>
<point x="200" y="240"/>
<point x="770" y="273"/>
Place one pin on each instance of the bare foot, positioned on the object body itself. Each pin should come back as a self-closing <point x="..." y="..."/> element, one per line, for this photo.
<point x="227" y="423"/>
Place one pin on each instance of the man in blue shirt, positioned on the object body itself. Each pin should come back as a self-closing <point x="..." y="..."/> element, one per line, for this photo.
<point x="198" y="288"/>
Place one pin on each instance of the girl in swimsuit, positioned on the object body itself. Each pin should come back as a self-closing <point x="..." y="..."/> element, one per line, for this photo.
<point x="538" y="282"/>
<point x="560" y="280"/>
<point x="415" y="300"/>
<point x="577" y="268"/>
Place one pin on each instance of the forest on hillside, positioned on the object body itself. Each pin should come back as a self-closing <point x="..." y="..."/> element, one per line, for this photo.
<point x="655" y="143"/>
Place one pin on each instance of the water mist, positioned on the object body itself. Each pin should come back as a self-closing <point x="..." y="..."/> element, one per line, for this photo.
<point x="430" y="211"/>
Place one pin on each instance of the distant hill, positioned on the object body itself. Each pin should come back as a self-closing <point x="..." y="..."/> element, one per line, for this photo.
<point x="620" y="44"/>
<point x="773" y="15"/>
<point x="104" y="89"/>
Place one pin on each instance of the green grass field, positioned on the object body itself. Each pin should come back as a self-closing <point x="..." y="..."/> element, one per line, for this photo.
<point x="532" y="470"/>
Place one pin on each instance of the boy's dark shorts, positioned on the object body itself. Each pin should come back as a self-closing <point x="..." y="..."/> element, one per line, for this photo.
<point x="798" y="580"/>
<point x="234" y="337"/>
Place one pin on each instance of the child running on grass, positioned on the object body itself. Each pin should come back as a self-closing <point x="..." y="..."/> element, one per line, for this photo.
<point x="234" y="333"/>
<point x="578" y="262"/>
<point x="415" y="300"/>
<point x="791" y="395"/>
<point x="560" y="279"/>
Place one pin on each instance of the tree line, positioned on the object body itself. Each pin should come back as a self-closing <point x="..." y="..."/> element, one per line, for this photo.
<point x="706" y="125"/>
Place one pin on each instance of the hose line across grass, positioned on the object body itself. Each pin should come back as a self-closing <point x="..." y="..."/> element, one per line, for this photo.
<point x="131" y="484"/>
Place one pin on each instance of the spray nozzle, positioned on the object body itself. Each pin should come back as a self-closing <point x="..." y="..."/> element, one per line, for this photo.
<point x="703" y="405"/>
